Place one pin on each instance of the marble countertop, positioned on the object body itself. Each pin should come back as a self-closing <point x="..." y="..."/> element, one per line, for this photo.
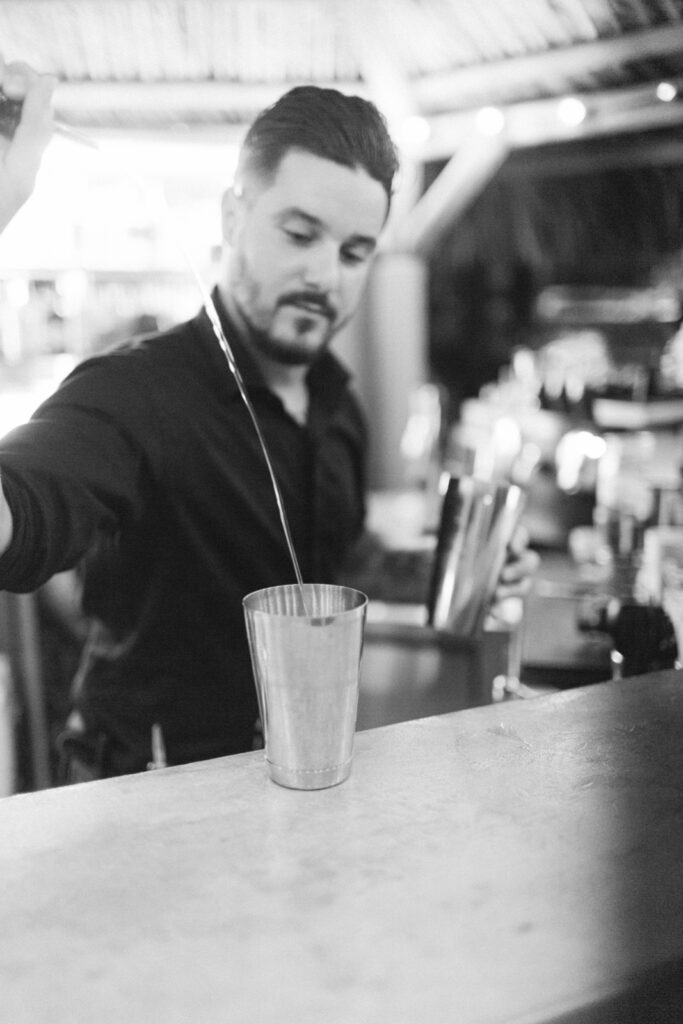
<point x="510" y="864"/>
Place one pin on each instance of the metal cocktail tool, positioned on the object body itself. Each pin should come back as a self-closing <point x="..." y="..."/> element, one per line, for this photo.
<point x="10" y="116"/>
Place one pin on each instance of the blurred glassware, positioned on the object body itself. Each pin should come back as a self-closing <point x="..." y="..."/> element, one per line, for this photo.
<point x="662" y="555"/>
<point x="671" y="362"/>
<point x="422" y="447"/>
<point x="491" y="443"/>
<point x="622" y="483"/>
<point x="591" y="555"/>
<point x="571" y="365"/>
<point x="662" y="573"/>
<point x="509" y="616"/>
<point x="668" y="505"/>
<point x="577" y="458"/>
<point x="672" y="599"/>
<point x="629" y="603"/>
<point x="635" y="473"/>
<point x="504" y="433"/>
<point x="421" y="439"/>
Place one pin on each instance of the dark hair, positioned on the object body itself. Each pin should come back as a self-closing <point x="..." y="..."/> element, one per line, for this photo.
<point x="346" y="129"/>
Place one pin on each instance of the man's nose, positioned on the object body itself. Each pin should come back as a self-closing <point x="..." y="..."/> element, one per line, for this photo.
<point x="322" y="268"/>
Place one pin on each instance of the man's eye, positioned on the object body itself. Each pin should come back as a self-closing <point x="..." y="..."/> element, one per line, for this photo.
<point x="299" y="237"/>
<point x="354" y="256"/>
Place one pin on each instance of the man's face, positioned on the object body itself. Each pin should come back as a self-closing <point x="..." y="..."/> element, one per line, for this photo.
<point x="300" y="248"/>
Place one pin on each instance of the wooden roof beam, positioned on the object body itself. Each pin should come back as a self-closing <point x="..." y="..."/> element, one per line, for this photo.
<point x="538" y="122"/>
<point x="497" y="79"/>
<point x="478" y="157"/>
<point x="627" y="154"/>
<point x="462" y="179"/>
<point x="235" y="99"/>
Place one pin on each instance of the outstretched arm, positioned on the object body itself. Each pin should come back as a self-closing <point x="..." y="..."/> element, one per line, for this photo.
<point x="20" y="159"/>
<point x="20" y="156"/>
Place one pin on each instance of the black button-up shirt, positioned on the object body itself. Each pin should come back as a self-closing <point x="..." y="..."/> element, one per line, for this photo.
<point x="145" y="469"/>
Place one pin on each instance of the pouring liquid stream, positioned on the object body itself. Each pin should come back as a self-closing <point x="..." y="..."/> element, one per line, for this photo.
<point x="217" y="327"/>
<point x="218" y="331"/>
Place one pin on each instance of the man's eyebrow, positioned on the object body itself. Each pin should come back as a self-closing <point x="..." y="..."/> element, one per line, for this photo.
<point x="294" y="211"/>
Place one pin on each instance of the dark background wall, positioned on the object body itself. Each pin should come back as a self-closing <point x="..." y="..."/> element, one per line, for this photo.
<point x="597" y="213"/>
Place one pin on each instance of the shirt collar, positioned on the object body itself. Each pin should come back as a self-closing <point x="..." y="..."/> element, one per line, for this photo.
<point x="326" y="378"/>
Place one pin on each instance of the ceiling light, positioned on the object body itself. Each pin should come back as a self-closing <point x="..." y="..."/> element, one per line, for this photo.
<point x="666" y="92"/>
<point x="571" y="111"/>
<point x="413" y="133"/>
<point x="490" y="121"/>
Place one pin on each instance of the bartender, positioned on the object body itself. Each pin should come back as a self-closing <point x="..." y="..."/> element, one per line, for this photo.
<point x="144" y="472"/>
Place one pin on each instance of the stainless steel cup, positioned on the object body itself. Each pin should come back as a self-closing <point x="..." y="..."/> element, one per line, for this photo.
<point x="306" y="644"/>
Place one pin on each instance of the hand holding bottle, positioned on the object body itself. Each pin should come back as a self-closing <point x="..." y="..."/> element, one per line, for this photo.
<point x="26" y="125"/>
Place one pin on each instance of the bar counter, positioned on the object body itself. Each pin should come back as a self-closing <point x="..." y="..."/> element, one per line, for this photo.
<point x="509" y="864"/>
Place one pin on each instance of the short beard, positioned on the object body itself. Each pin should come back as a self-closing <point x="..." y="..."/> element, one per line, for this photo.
<point x="285" y="353"/>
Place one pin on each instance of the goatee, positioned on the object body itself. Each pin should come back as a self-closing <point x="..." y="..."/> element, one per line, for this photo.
<point x="287" y="353"/>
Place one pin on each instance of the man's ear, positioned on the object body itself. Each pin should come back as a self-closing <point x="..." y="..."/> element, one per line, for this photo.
<point x="229" y="215"/>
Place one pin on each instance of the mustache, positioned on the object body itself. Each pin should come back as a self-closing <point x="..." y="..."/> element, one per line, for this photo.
<point x="312" y="300"/>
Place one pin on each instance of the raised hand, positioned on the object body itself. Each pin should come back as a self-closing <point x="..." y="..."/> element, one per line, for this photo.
<point x="22" y="148"/>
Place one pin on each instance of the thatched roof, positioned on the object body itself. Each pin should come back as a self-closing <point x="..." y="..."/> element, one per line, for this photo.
<point x="201" y="62"/>
<point x="198" y="67"/>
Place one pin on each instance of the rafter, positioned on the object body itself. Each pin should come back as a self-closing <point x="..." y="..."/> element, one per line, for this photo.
<point x="627" y="154"/>
<point x="463" y="178"/>
<point x="485" y="82"/>
<point x="612" y="112"/>
<point x="476" y="159"/>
